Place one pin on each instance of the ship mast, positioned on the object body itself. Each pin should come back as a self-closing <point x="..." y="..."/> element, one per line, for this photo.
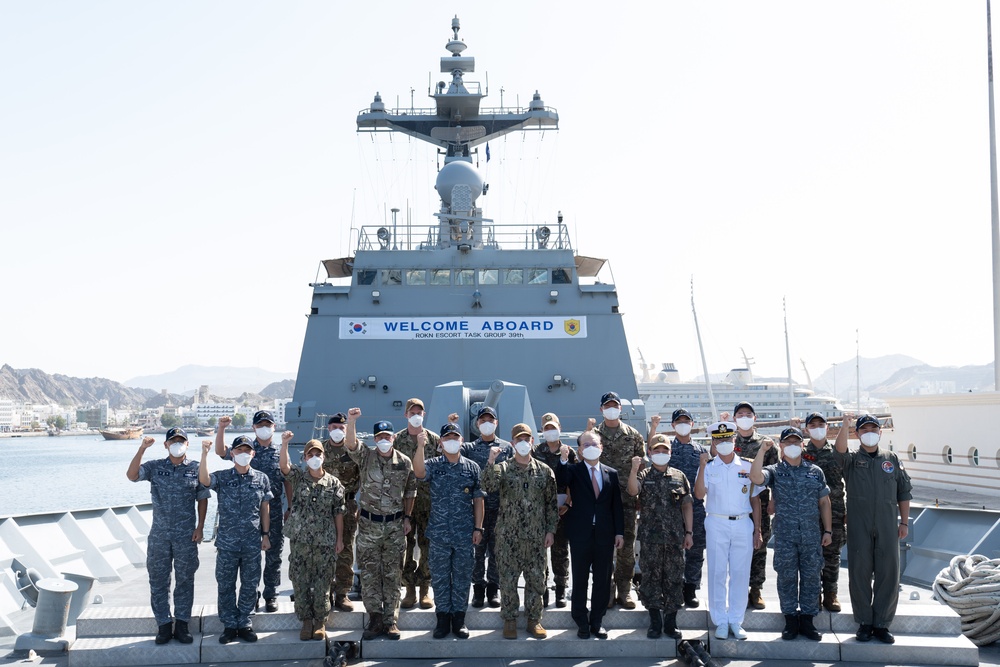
<point x="701" y="348"/>
<point x="994" y="214"/>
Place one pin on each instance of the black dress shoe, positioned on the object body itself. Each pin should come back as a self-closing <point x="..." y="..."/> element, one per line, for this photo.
<point x="228" y="635"/>
<point x="864" y="633"/>
<point x="583" y="632"/>
<point x="271" y="605"/>
<point x="600" y="633"/>
<point x="247" y="634"/>
<point x="883" y="635"/>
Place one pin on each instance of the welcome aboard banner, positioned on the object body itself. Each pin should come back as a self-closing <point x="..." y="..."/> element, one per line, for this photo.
<point x="452" y="328"/>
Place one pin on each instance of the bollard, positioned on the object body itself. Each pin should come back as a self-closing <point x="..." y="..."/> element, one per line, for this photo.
<point x="49" y="625"/>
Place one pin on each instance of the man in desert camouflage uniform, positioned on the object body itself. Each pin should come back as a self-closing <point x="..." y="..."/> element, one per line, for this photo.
<point x="664" y="497"/>
<point x="748" y="442"/>
<point x="526" y="526"/>
<point x="416" y="574"/>
<point x="621" y="444"/>
<point x="338" y="463"/>
<point x="385" y="502"/>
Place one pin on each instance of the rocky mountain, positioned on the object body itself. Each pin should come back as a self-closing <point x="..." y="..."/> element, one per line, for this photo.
<point x="221" y="380"/>
<point x="841" y="379"/>
<point x="924" y="379"/>
<point x="37" y="386"/>
<point x="283" y="389"/>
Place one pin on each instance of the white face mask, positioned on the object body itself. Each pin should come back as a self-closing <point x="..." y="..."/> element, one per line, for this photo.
<point x="682" y="429"/>
<point x="315" y="462"/>
<point x="522" y="447"/>
<point x="487" y="428"/>
<point x="416" y="421"/>
<point x="383" y="445"/>
<point x="451" y="446"/>
<point x="611" y="414"/>
<point x="660" y="459"/>
<point x="870" y="439"/>
<point x="591" y="453"/>
<point x="818" y="433"/>
<point x="243" y="458"/>
<point x="178" y="449"/>
<point x="337" y="434"/>
<point x="263" y="432"/>
<point x="725" y="448"/>
<point x="551" y="435"/>
<point x="793" y="451"/>
<point x="745" y="423"/>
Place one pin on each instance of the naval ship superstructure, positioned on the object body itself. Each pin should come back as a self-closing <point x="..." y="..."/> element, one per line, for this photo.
<point x="464" y="299"/>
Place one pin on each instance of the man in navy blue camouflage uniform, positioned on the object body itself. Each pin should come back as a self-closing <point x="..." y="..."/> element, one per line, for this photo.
<point x="173" y="539"/>
<point x="802" y="502"/>
<point x="244" y="496"/>
<point x="685" y="456"/>
<point x="265" y="459"/>
<point x="454" y="527"/>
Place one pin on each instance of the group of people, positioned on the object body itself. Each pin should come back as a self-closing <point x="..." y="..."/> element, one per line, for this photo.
<point x="429" y="510"/>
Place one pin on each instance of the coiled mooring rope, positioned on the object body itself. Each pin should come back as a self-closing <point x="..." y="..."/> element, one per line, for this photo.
<point x="971" y="586"/>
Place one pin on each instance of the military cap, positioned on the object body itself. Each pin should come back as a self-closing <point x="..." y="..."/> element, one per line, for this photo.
<point x="867" y="419"/>
<point x="450" y="428"/>
<point x="550" y="418"/>
<point x="382" y="426"/>
<point x="611" y="396"/>
<point x="678" y="413"/>
<point x="519" y="430"/>
<point x="339" y="418"/>
<point x="814" y="415"/>
<point x="175" y="432"/>
<point x="658" y="439"/>
<point x="744" y="404"/>
<point x="311" y="445"/>
<point x="262" y="416"/>
<point x="411" y="402"/>
<point x="242" y="441"/>
<point x="487" y="410"/>
<point x="791" y="432"/>
<point x="722" y="430"/>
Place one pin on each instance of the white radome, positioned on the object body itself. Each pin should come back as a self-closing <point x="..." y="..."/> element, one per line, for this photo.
<point x="458" y="173"/>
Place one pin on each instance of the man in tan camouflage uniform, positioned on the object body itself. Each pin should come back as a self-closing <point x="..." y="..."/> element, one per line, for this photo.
<point x="338" y="463"/>
<point x="665" y="532"/>
<point x="416" y="574"/>
<point x="526" y="525"/>
<point x="621" y="444"/>
<point x="388" y="487"/>
<point x="315" y="528"/>
<point x="748" y="441"/>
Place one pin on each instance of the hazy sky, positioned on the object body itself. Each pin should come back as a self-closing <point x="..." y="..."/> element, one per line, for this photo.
<point x="171" y="173"/>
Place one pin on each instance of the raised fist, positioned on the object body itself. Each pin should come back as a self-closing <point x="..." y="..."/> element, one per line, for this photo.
<point x="225" y="421"/>
<point x="591" y="423"/>
<point x="286" y="437"/>
<point x="704" y="458"/>
<point x="636" y="463"/>
<point x="655" y="421"/>
<point x="147" y="442"/>
<point x="353" y="414"/>
<point x="494" y="453"/>
<point x="206" y="445"/>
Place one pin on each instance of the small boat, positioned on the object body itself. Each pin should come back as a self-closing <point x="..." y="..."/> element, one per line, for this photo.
<point x="127" y="433"/>
<point x="205" y="432"/>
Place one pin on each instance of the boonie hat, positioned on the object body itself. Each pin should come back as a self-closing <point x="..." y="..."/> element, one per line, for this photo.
<point x="550" y="418"/>
<point x="450" y="428"/>
<point x="678" y="413"/>
<point x="611" y="396"/>
<point x="242" y="441"/>
<point x="722" y="430"/>
<point x="744" y="404"/>
<point x="867" y="419"/>
<point x="814" y="415"/>
<point x="658" y="439"/>
<point x="262" y="416"/>
<point x="176" y="431"/>
<point x="382" y="426"/>
<point x="339" y="418"/>
<point x="487" y="410"/>
<point x="791" y="432"/>
<point x="519" y="430"/>
<point x="411" y="402"/>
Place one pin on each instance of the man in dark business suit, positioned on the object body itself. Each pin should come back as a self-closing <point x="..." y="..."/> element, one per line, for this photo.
<point x="595" y="525"/>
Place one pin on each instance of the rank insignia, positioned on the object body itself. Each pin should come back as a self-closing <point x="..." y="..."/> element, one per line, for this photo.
<point x="744" y="488"/>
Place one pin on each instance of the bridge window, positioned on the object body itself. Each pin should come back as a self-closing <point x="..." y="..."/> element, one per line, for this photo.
<point x="513" y="277"/>
<point x="465" y="277"/>
<point x="538" y="277"/>
<point x="392" y="277"/>
<point x="416" y="277"/>
<point x="561" y="277"/>
<point x="440" y="276"/>
<point x="367" y="276"/>
<point x="489" y="276"/>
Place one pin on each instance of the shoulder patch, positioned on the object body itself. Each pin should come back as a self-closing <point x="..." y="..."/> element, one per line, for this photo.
<point x="888" y="467"/>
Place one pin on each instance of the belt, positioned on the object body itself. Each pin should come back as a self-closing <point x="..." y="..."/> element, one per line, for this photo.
<point x="736" y="517"/>
<point x="381" y="518"/>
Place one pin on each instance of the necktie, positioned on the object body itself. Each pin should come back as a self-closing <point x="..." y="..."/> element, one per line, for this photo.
<point x="593" y="479"/>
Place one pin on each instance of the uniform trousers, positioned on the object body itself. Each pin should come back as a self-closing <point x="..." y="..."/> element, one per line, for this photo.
<point x="180" y="556"/>
<point x="380" y="551"/>
<point x="311" y="575"/>
<point x="559" y="555"/>
<point x="798" y="565"/>
<point x="517" y="557"/>
<point x="729" y="545"/>
<point x="694" y="558"/>
<point x="451" y="575"/>
<point x="345" y="559"/>
<point x="228" y="564"/>
<point x="272" y="557"/>
<point x="416" y="571"/>
<point x="485" y="570"/>
<point x="873" y="553"/>
<point x="662" y="576"/>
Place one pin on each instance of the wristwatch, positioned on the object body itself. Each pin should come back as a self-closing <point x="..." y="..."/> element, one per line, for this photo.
<point x="688" y="532"/>
<point x="828" y="532"/>
<point x="478" y="529"/>
<point x="264" y="531"/>
<point x="407" y="516"/>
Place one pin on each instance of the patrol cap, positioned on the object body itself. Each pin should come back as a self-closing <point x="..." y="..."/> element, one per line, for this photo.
<point x="242" y="441"/>
<point x="382" y="426"/>
<point x="814" y="415"/>
<point x="339" y="418"/>
<point x="410" y="402"/>
<point x="311" y="445"/>
<point x="657" y="440"/>
<point x="450" y="428"/>
<point x="262" y="416"/>
<point x="611" y="396"/>
<point x="722" y="430"/>
<point x="487" y="410"/>
<point x="550" y="418"/>
<point x="175" y="432"/>
<point x="519" y="430"/>
<point x="744" y="404"/>
<point x="867" y="419"/>
<point x="791" y="432"/>
<point x="678" y="413"/>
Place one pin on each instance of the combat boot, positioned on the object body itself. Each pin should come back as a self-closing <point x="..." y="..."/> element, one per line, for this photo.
<point x="374" y="627"/>
<point x="458" y="625"/>
<point x="560" y="596"/>
<point x="443" y="626"/>
<point x="391" y="630"/>
<point x="690" y="599"/>
<point x="319" y="629"/>
<point x="343" y="603"/>
<point x="655" y="624"/>
<point x="164" y="633"/>
<point x="510" y="629"/>
<point x="425" y="600"/>
<point x="830" y="601"/>
<point x="754" y="599"/>
<point x="807" y="629"/>
<point x="493" y="595"/>
<point x="181" y="632"/>
<point x="478" y="595"/>
<point x="670" y="625"/>
<point x="791" y="630"/>
<point x="411" y="597"/>
<point x="306" y="633"/>
<point x="536" y="630"/>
